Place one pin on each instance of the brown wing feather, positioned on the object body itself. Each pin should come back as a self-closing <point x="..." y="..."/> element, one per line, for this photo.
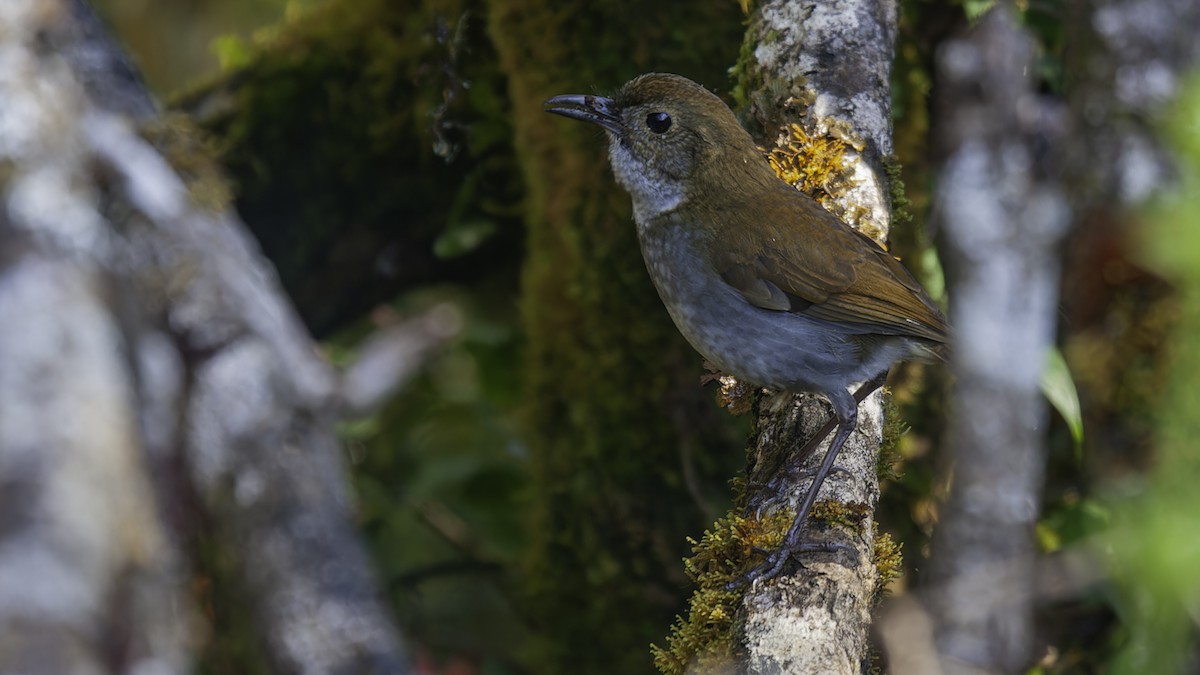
<point x="847" y="279"/>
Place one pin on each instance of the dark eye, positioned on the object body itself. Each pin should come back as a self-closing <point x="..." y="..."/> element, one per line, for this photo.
<point x="658" y="122"/>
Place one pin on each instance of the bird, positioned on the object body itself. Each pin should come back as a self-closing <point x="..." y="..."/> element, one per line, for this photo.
<point x="762" y="281"/>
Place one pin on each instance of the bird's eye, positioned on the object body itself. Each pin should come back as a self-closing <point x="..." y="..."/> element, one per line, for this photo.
<point x="658" y="122"/>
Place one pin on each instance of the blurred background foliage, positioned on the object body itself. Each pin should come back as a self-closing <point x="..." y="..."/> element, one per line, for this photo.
<point x="1153" y="538"/>
<point x="385" y="155"/>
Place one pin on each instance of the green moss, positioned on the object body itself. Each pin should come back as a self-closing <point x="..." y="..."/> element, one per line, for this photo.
<point x="894" y="427"/>
<point x="900" y="203"/>
<point x="746" y="79"/>
<point x="706" y="641"/>
<point x="748" y="6"/>
<point x="888" y="557"/>
<point x="226" y="638"/>
<point x="194" y="157"/>
<point x="850" y="515"/>
<point x="357" y="135"/>
<point x="611" y="386"/>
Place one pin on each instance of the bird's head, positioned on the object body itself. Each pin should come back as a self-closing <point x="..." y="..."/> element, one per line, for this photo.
<point x="670" y="140"/>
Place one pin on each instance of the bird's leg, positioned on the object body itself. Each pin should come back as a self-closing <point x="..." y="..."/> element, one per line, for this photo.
<point x="792" y="543"/>
<point x="845" y="419"/>
<point x="860" y="395"/>
<point x="794" y="470"/>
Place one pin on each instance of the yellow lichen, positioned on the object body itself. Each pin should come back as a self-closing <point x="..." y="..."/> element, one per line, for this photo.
<point x="815" y="165"/>
<point x="844" y="132"/>
<point x="735" y="395"/>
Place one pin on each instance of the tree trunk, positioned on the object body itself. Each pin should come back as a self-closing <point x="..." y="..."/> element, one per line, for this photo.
<point x="1001" y="211"/>
<point x="825" y="65"/>
<point x="616" y="415"/>
<point x="151" y="373"/>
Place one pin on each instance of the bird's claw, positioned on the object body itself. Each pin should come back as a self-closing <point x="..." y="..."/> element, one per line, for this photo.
<point x="773" y="565"/>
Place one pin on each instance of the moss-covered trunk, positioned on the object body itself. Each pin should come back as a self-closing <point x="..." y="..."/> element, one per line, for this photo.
<point x="369" y="143"/>
<point x="612" y="388"/>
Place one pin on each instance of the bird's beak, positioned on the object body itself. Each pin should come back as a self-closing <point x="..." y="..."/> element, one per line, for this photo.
<point x="594" y="109"/>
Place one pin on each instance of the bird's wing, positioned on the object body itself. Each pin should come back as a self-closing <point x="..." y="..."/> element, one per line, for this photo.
<point x="847" y="278"/>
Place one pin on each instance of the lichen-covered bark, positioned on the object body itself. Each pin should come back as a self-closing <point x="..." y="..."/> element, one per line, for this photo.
<point x="1010" y="163"/>
<point x="612" y="389"/>
<point x="825" y="65"/>
<point x="81" y="537"/>
<point x="841" y="52"/>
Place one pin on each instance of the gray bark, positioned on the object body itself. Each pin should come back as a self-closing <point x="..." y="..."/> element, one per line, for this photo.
<point x="1001" y="211"/>
<point x="838" y="54"/>
<point x="151" y="366"/>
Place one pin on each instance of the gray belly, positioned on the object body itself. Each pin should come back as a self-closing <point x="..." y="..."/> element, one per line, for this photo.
<point x="775" y="349"/>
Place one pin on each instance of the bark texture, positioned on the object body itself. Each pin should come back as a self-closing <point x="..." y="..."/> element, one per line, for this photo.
<point x="835" y="59"/>
<point x="1001" y="211"/>
<point x="151" y="373"/>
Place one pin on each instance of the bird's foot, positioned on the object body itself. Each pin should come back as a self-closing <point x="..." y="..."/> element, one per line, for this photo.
<point x="775" y="560"/>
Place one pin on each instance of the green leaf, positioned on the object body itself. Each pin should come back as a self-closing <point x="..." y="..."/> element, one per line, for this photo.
<point x="976" y="8"/>
<point x="1059" y="388"/>
<point x="232" y="52"/>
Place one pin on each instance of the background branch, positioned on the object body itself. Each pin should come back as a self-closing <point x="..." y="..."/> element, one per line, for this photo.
<point x="1001" y="212"/>
<point x="158" y="337"/>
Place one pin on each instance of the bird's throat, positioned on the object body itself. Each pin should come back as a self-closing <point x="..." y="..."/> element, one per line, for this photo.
<point x="653" y="193"/>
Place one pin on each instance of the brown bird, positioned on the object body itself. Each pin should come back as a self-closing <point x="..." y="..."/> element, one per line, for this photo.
<point x="761" y="280"/>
